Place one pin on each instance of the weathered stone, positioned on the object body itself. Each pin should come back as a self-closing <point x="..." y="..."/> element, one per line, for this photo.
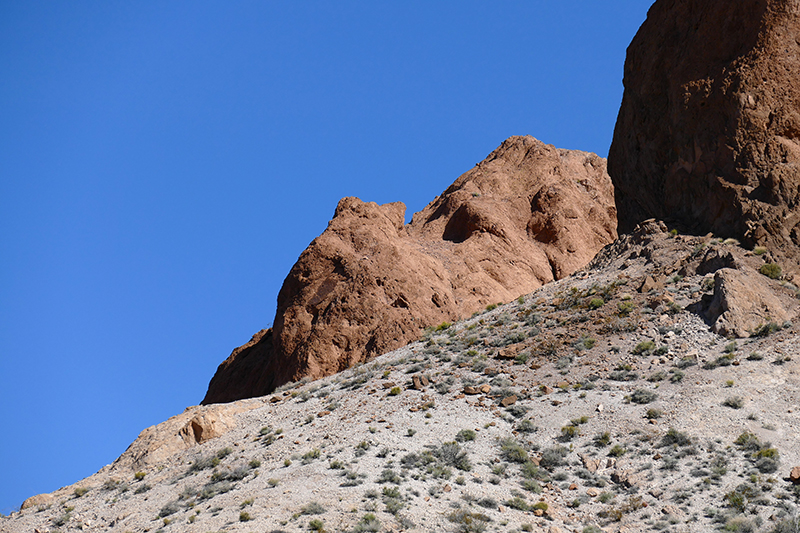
<point x="419" y="381"/>
<point x="626" y="478"/>
<point x="194" y="426"/>
<point x="508" y="401"/>
<point x="510" y="352"/>
<point x="742" y="301"/>
<point x="708" y="134"/>
<point x="526" y="215"/>
<point x="650" y="284"/>
<point x="40" y="500"/>
<point x="389" y="384"/>
<point x="469" y="389"/>
<point x="485" y="388"/>
<point x="794" y="475"/>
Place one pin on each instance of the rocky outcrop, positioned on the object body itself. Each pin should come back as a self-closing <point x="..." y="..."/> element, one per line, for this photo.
<point x="526" y="215"/>
<point x="708" y="134"/>
<point x="744" y="301"/>
<point x="196" y="425"/>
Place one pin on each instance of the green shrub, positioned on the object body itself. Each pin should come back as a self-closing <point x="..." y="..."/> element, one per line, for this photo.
<point x="369" y="523"/>
<point x="553" y="457"/>
<point x="568" y="433"/>
<point x="244" y="516"/>
<point x="734" y="402"/>
<point x="394" y="391"/>
<point x="465" y="435"/>
<point x="643" y="396"/>
<point x="617" y="451"/>
<point x="316" y="525"/>
<point x="763" y="330"/>
<point x="644" y="348"/>
<point x="310" y="456"/>
<point x="312" y="508"/>
<point x="517" y="503"/>
<point x="469" y="522"/>
<point x="596" y="303"/>
<point x="80" y="491"/>
<point x="512" y="451"/>
<point x="139" y="476"/>
<point x="771" y="270"/>
<point x="654" y="414"/>
<point x="602" y="440"/>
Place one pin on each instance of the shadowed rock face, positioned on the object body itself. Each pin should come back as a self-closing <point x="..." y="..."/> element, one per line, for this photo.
<point x="708" y="134"/>
<point x="526" y="215"/>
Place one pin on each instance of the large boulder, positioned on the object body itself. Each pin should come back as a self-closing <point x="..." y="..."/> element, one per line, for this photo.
<point x="526" y="215"/>
<point x="708" y="134"/>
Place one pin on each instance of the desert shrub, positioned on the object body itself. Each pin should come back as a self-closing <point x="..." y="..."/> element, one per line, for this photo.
<point x="310" y="456"/>
<point x="512" y="451"/>
<point x="788" y="525"/>
<point x="389" y="476"/>
<point x="568" y="433"/>
<point x="517" y="410"/>
<point x="677" y="376"/>
<point x="658" y="376"/>
<point x="312" y="508"/>
<point x="169" y="509"/>
<point x="654" y="413"/>
<point x="531" y="485"/>
<point x="526" y="426"/>
<point x="623" y="375"/>
<point x="530" y="470"/>
<point x="596" y="303"/>
<point x="369" y="523"/>
<point x="675" y="437"/>
<point x="602" y="439"/>
<point x="617" y="451"/>
<point x="244" y="516"/>
<point x="517" y="503"/>
<point x="734" y="402"/>
<point x="771" y="270"/>
<point x="468" y="522"/>
<point x="643" y="396"/>
<point x="465" y="435"/>
<point x="316" y="524"/>
<point x="450" y="453"/>
<point x="394" y="391"/>
<point x="763" y="330"/>
<point x="553" y="457"/>
<point x="644" y="348"/>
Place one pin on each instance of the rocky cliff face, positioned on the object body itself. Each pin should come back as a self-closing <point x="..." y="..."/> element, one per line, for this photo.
<point x="708" y="135"/>
<point x="526" y="215"/>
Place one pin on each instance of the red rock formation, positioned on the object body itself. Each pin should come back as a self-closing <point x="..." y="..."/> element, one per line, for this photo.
<point x="526" y="215"/>
<point x="708" y="134"/>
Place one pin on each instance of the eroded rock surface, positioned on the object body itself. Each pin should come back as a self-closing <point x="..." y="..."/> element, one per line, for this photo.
<point x="526" y="215"/>
<point x="196" y="425"/>
<point x="708" y="134"/>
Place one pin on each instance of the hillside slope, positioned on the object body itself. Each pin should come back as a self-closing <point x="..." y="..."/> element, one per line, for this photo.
<point x="597" y="401"/>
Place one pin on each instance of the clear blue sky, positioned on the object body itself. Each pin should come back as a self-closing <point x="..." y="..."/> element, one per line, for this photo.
<point x="163" y="164"/>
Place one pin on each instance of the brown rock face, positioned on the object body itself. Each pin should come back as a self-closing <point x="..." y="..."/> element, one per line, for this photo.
<point x="526" y="215"/>
<point x="708" y="134"/>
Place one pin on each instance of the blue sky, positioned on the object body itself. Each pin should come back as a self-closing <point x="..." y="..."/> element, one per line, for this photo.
<point x="163" y="164"/>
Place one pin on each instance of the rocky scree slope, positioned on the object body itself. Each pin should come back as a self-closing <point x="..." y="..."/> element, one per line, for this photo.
<point x="708" y="134"/>
<point x="596" y="403"/>
<point x="526" y="215"/>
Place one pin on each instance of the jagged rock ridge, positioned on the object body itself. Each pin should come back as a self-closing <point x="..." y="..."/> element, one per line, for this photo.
<point x="708" y="134"/>
<point x="526" y="215"/>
